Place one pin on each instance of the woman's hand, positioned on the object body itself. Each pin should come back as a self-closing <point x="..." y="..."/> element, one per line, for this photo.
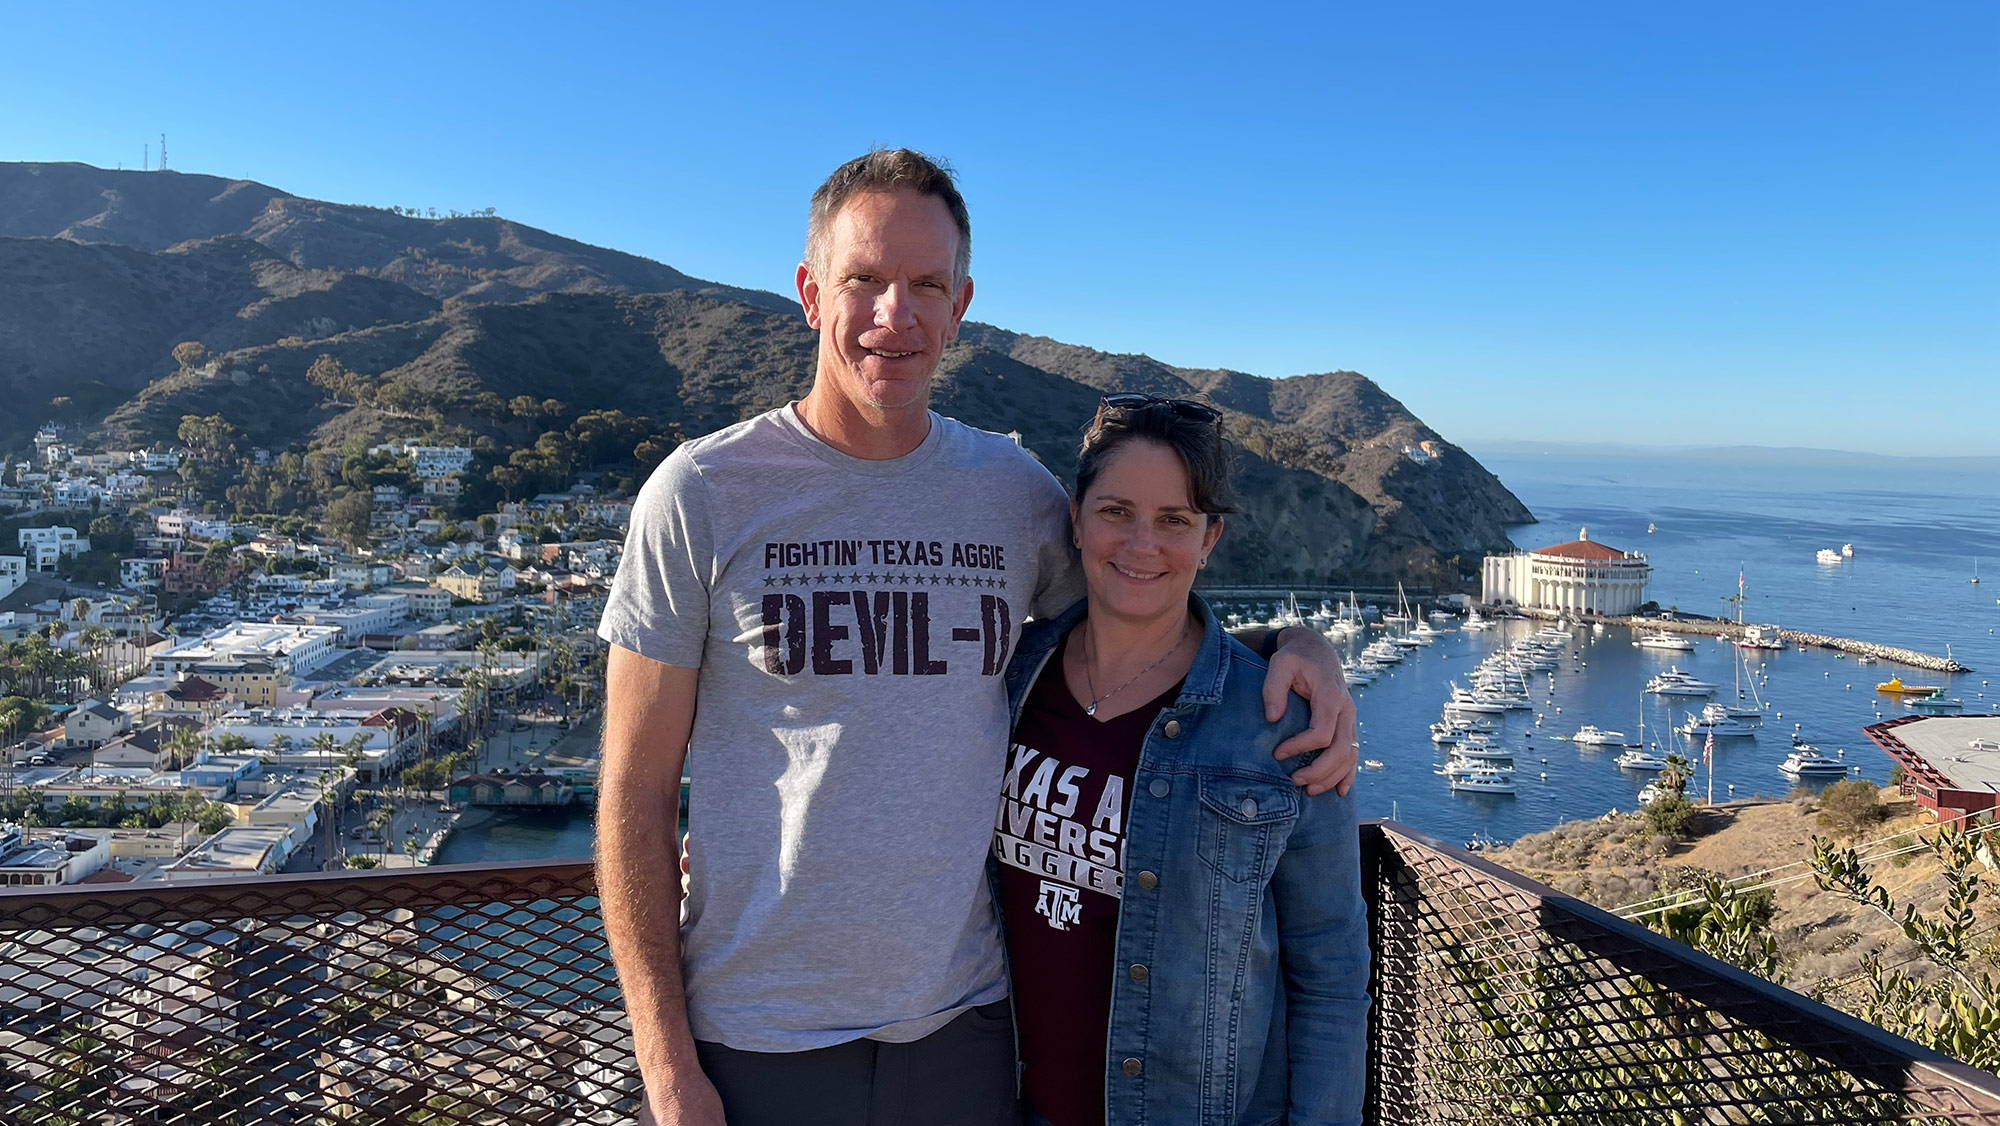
<point x="1307" y="664"/>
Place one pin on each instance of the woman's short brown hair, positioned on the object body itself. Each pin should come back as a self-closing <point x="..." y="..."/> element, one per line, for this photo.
<point x="1199" y="443"/>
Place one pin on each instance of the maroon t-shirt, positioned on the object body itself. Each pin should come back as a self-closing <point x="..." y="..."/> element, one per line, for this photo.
<point x="1060" y="839"/>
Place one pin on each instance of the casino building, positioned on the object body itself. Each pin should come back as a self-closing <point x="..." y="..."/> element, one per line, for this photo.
<point x="1578" y="577"/>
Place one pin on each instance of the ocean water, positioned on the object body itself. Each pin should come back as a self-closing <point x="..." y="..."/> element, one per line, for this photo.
<point x="1916" y="536"/>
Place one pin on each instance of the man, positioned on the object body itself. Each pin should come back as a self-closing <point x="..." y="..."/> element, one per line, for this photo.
<point x="838" y="583"/>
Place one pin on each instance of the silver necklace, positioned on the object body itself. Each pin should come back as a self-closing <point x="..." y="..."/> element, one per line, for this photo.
<point x="1090" y="681"/>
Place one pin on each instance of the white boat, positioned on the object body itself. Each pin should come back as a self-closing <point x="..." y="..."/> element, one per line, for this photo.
<point x="1847" y="550"/>
<point x="1652" y="792"/>
<point x="1590" y="736"/>
<point x="1476" y="623"/>
<point x="1483" y="784"/>
<point x="1472" y="752"/>
<point x="1371" y="764"/>
<point x="1830" y="557"/>
<point x="1660" y="639"/>
<point x="1722" y="727"/>
<point x="1640" y="760"/>
<point x="1761" y="637"/>
<point x="1554" y="633"/>
<point x="1807" y="760"/>
<point x="1744" y="714"/>
<point x="1674" y="682"/>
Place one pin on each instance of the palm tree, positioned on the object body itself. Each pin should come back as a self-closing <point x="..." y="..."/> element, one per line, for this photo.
<point x="1675" y="777"/>
<point x="182" y="746"/>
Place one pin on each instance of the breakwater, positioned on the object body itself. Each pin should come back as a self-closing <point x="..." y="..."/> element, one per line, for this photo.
<point x="1716" y="627"/>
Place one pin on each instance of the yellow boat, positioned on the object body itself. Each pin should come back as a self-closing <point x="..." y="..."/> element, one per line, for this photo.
<point x="1895" y="687"/>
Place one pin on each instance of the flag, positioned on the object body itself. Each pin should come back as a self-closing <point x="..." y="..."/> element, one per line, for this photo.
<point x="1708" y="750"/>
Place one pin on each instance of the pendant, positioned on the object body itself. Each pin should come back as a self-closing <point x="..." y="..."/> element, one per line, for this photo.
<point x="1092" y="709"/>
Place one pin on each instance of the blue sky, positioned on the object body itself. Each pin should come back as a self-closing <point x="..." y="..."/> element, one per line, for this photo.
<point x="1768" y="223"/>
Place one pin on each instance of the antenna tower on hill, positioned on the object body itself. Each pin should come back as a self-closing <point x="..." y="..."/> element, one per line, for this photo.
<point x="163" y="152"/>
<point x="145" y="158"/>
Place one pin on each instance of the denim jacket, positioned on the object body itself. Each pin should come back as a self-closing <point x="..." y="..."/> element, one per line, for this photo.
<point x="1241" y="988"/>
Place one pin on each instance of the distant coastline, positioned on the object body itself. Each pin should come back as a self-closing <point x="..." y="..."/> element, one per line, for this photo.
<point x="1736" y="455"/>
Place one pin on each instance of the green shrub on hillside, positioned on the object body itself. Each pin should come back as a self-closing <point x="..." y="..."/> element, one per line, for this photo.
<point x="1671" y="816"/>
<point x="1850" y="806"/>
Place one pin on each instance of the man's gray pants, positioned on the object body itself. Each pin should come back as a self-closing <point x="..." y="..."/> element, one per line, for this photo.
<point x="960" y="1075"/>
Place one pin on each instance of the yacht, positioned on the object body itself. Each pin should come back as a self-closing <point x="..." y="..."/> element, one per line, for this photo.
<point x="1660" y="639"/>
<point x="1410" y="641"/>
<point x="1426" y="631"/>
<point x="1590" y="736"/>
<point x="1806" y="760"/>
<point x="1483" y="783"/>
<point x="1674" y="682"/>
<point x="1640" y="760"/>
<point x="1937" y="705"/>
<point x="1371" y="764"/>
<point x="1761" y="637"/>
<point x="1475" y="623"/>
<point x="1470" y="751"/>
<point x="1847" y="551"/>
<point x="1829" y="556"/>
<point x="1742" y="713"/>
<point x="1894" y="686"/>
<point x="1652" y="792"/>
<point x="1720" y="726"/>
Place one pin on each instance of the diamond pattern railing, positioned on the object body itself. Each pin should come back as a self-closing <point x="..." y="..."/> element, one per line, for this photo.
<point x="483" y="994"/>
<point x="1501" y="1001"/>
<point x="474" y="994"/>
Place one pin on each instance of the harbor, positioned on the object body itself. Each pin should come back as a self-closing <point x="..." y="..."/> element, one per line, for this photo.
<point x="1736" y="632"/>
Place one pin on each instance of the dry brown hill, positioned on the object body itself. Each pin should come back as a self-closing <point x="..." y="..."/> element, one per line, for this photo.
<point x="103" y="273"/>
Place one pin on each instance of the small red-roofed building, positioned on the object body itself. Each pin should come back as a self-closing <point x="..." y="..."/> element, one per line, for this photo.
<point x="1951" y="763"/>
<point x="1578" y="577"/>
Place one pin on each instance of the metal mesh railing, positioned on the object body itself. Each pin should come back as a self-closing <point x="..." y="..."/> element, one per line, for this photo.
<point x="1499" y="1000"/>
<point x="483" y="994"/>
<point x="477" y="994"/>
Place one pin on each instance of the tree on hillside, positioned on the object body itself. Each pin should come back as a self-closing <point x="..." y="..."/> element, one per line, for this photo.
<point x="349" y="518"/>
<point x="190" y="353"/>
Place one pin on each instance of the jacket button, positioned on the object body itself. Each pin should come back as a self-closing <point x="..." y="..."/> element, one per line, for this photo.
<point x="1249" y="807"/>
<point x="1148" y="881"/>
<point x="1139" y="973"/>
<point x="1159" y="788"/>
<point x="1132" y="1066"/>
<point x="1171" y="729"/>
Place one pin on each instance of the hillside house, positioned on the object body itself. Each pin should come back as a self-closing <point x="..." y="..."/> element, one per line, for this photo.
<point x="94" y="724"/>
<point x="43" y="547"/>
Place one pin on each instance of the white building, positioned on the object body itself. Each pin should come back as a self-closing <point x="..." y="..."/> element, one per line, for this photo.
<point x="439" y="461"/>
<point x="153" y="461"/>
<point x="141" y="574"/>
<point x="42" y="547"/>
<point x="292" y="649"/>
<point x="13" y="572"/>
<point x="1581" y="576"/>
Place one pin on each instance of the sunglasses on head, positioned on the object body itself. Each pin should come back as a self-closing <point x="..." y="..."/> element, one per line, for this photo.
<point x="1182" y="408"/>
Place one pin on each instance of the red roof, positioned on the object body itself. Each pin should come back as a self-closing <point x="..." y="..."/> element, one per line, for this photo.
<point x="195" y="690"/>
<point x="1581" y="549"/>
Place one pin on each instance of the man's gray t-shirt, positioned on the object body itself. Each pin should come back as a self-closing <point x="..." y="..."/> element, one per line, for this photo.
<point x="851" y="620"/>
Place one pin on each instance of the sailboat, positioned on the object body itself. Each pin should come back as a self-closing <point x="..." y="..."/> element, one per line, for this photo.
<point x="1975" y="568"/>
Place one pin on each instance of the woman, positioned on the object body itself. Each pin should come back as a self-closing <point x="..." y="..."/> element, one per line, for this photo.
<point x="1184" y="926"/>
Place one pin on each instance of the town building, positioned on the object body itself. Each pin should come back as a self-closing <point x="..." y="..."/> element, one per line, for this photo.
<point x="252" y="681"/>
<point x="471" y="582"/>
<point x="363" y="574"/>
<point x="48" y="859"/>
<point x="294" y="650"/>
<point x="247" y="850"/>
<point x="1951" y="763"/>
<point x="93" y="724"/>
<point x="43" y="547"/>
<point x="426" y="602"/>
<point x="1578" y="577"/>
<point x="439" y="461"/>
<point x="141" y="574"/>
<point x="13" y="572"/>
<point x="185" y="573"/>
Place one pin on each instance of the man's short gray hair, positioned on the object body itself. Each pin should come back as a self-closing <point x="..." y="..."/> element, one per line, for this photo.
<point x="887" y="170"/>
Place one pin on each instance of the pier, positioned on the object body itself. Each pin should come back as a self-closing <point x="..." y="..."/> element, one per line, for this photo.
<point x="1715" y="627"/>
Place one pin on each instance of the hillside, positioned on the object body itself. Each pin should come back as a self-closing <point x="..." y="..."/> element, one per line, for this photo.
<point x="1612" y="861"/>
<point x="437" y="323"/>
